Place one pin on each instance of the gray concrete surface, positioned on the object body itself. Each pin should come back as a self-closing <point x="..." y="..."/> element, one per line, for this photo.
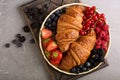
<point x="25" y="63"/>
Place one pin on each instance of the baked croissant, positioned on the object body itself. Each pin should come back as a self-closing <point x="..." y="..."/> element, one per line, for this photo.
<point x="68" y="27"/>
<point x="79" y="51"/>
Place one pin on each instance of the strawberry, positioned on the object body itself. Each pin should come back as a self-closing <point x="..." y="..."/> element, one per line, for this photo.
<point x="46" y="33"/>
<point x="51" y="46"/>
<point x="56" y="55"/>
<point x="46" y="41"/>
<point x="47" y="54"/>
<point x="55" y="62"/>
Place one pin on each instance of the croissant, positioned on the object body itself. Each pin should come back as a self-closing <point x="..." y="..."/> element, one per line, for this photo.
<point x="79" y="51"/>
<point x="68" y="27"/>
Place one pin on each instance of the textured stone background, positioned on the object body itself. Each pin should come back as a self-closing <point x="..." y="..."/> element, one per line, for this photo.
<point x="25" y="63"/>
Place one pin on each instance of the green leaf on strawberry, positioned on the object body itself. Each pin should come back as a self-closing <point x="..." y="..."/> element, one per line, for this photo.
<point x="47" y="54"/>
<point x="46" y="41"/>
<point x="56" y="55"/>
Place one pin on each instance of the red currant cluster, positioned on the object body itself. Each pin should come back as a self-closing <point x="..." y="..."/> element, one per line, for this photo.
<point x="95" y="20"/>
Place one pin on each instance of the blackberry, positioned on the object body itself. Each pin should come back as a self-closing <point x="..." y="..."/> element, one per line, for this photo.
<point x="7" y="45"/>
<point x="101" y="52"/>
<point x="94" y="51"/>
<point x="26" y="29"/>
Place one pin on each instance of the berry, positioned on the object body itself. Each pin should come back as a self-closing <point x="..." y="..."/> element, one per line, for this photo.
<point x="95" y="18"/>
<point x="46" y="33"/>
<point x="80" y="66"/>
<point x="7" y="45"/>
<point x="73" y="70"/>
<point x="102" y="16"/>
<point x="97" y="46"/>
<point x="104" y="47"/>
<point x="95" y="57"/>
<point x="100" y="23"/>
<point x="87" y="28"/>
<point x="106" y="38"/>
<point x="105" y="27"/>
<point x="55" y="62"/>
<point x="82" y="32"/>
<point x="102" y="34"/>
<point x="56" y="55"/>
<point x="103" y="42"/>
<point x="84" y="69"/>
<point x="63" y="10"/>
<point x="87" y="64"/>
<point x="51" y="46"/>
<point x="22" y="39"/>
<point x="18" y="35"/>
<point x="101" y="52"/>
<point x="84" y="18"/>
<point x="98" y="42"/>
<point x="88" y="8"/>
<point x="26" y="29"/>
<point x="93" y="8"/>
<point x="97" y="29"/>
<point x="94" y="51"/>
<point x="49" y="20"/>
<point x="54" y="24"/>
<point x="52" y="16"/>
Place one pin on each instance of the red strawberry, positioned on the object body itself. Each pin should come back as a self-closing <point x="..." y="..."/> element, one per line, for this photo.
<point x="51" y="46"/>
<point x="55" y="62"/>
<point x="47" y="54"/>
<point x="56" y="55"/>
<point x="46" y="33"/>
<point x="46" y="41"/>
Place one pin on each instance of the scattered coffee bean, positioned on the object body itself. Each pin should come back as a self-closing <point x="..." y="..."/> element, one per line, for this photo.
<point x="32" y="41"/>
<point x="22" y="39"/>
<point x="7" y="45"/>
<point x="18" y="35"/>
<point x="26" y="29"/>
<point x="19" y="44"/>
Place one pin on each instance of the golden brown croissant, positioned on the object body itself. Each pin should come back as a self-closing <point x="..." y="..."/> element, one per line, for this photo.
<point x="79" y="51"/>
<point x="68" y="27"/>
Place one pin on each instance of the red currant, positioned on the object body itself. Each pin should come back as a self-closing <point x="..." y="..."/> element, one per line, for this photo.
<point x="93" y="8"/>
<point x="88" y="8"/>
